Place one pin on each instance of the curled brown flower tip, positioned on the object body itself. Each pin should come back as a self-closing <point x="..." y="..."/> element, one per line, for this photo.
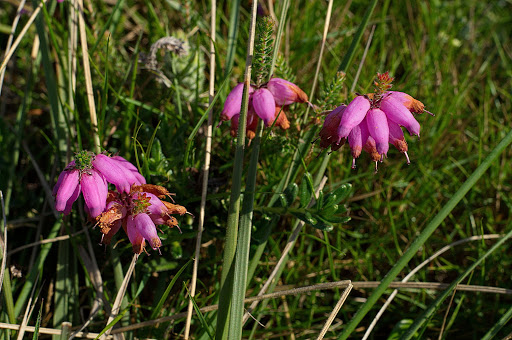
<point x="156" y="190"/>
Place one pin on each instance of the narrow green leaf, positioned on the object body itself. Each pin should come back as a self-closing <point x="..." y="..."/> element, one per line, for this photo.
<point x="35" y="336"/>
<point x="204" y="324"/>
<point x="111" y="324"/>
<point x="158" y="308"/>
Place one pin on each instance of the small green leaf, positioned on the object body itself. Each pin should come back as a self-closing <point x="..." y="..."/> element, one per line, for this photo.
<point x="305" y="193"/>
<point x="400" y="329"/>
<point x="337" y="195"/>
<point x="320" y="201"/>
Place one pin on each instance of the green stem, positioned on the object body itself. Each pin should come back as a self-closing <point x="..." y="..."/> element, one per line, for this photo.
<point x="234" y="202"/>
<point x="244" y="243"/>
<point x="423" y="237"/>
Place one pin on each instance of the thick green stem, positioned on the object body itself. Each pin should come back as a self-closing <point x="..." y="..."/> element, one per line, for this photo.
<point x="423" y="237"/>
<point x="234" y="203"/>
<point x="244" y="243"/>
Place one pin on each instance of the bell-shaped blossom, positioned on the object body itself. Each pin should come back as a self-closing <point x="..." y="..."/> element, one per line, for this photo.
<point x="285" y="92"/>
<point x="95" y="190"/>
<point x="377" y="124"/>
<point x="353" y="115"/>
<point x="139" y="226"/>
<point x="264" y="105"/>
<point x="129" y="166"/>
<point x="233" y="103"/>
<point x="398" y="113"/>
<point x="329" y="135"/>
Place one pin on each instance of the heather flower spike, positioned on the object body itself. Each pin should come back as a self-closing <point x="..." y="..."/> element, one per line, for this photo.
<point x="373" y="121"/>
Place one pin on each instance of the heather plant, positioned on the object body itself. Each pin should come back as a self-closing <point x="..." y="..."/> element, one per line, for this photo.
<point x="282" y="237"/>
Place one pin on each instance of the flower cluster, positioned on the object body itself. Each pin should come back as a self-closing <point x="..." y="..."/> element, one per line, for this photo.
<point x="136" y="206"/>
<point x="268" y="102"/>
<point x="373" y="121"/>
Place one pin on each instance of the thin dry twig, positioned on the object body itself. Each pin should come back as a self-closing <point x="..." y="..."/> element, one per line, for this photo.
<point x="51" y="331"/>
<point x="325" y="286"/>
<point x="415" y="270"/>
<point x="9" y="53"/>
<point x="120" y="294"/>
<point x="206" y="169"/>
<point x="289" y="245"/>
<point x="11" y="38"/>
<point x="446" y="315"/>
<point x="335" y="311"/>
<point x="49" y="240"/>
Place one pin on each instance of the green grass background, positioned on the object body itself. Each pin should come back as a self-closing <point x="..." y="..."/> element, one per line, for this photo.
<point x="454" y="56"/>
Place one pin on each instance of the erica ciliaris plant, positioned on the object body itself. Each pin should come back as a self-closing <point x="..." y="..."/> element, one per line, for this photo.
<point x="135" y="206"/>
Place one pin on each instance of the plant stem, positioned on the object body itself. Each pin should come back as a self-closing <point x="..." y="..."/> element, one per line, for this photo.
<point x="234" y="202"/>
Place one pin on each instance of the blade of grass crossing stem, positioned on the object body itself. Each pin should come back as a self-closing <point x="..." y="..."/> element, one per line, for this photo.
<point x="234" y="201"/>
<point x="244" y="243"/>
<point x="158" y="308"/>
<point x="63" y="286"/>
<point x="112" y="323"/>
<point x="232" y="36"/>
<point x="204" y="324"/>
<point x="35" y="336"/>
<point x="427" y="314"/>
<point x="423" y="237"/>
<point x="498" y="325"/>
<point x="347" y="60"/>
<point x="38" y="265"/>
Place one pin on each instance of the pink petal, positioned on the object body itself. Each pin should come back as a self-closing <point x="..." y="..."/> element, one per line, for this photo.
<point x="95" y="192"/>
<point x="147" y="229"/>
<point x="413" y="105"/>
<point x="118" y="175"/>
<point x="353" y="115"/>
<point x="285" y="92"/>
<point x="72" y="200"/>
<point x="122" y="161"/>
<point x="398" y="113"/>
<point x="66" y="190"/>
<point x="264" y="105"/>
<point x="378" y="128"/>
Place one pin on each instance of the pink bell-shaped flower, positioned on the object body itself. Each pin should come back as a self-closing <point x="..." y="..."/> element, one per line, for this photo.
<point x="285" y="92"/>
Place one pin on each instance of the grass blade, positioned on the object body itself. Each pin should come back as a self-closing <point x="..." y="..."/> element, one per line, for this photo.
<point x="423" y="237"/>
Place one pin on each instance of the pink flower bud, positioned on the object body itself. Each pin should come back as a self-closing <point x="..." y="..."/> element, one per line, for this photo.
<point x="264" y="105"/>
<point x="285" y="92"/>
<point x="413" y="105"/>
<point x="353" y="115"/>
